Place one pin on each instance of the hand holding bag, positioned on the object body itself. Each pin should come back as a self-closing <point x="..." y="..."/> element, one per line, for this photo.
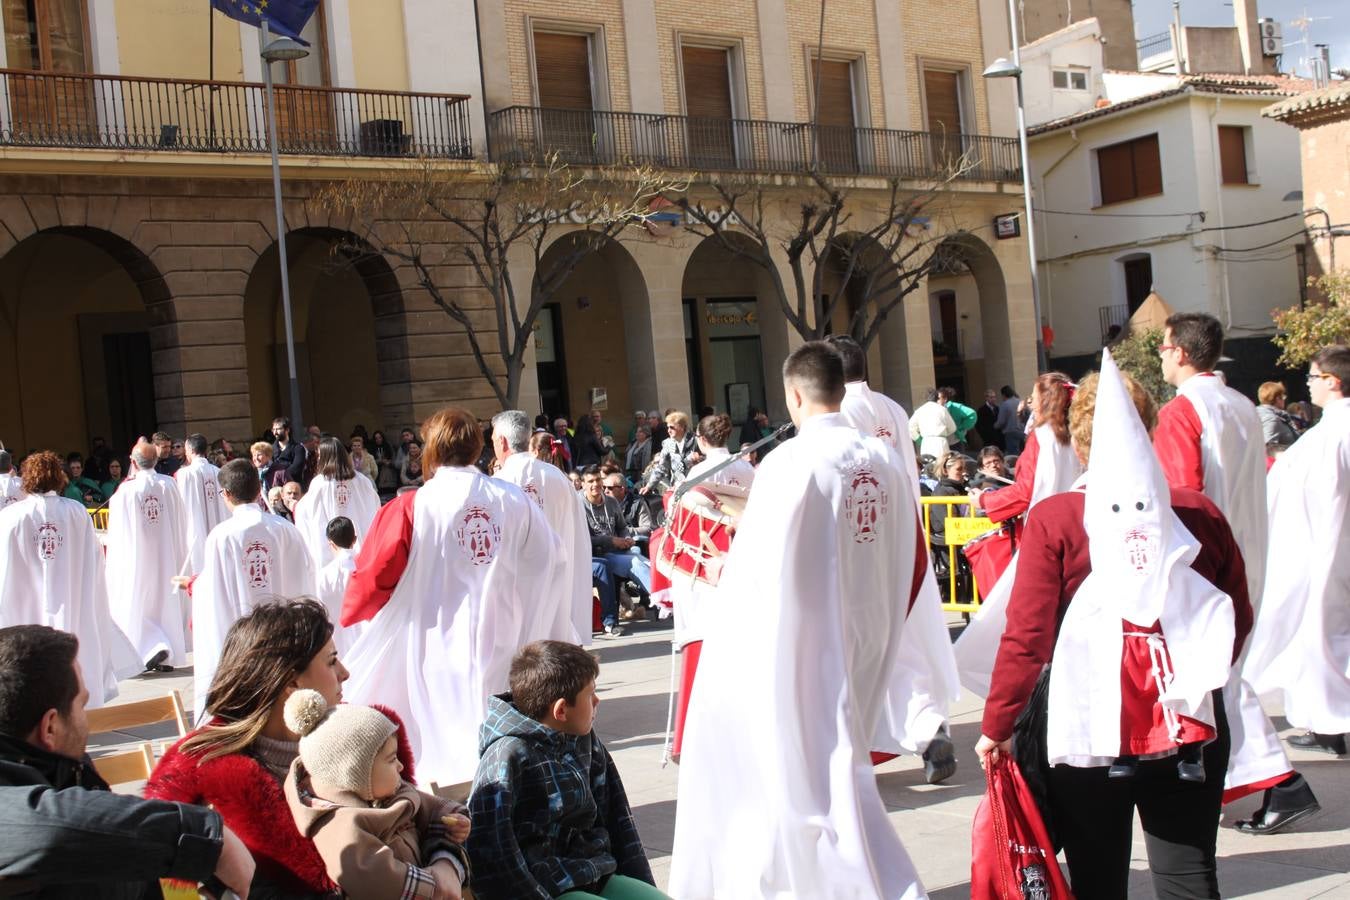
<point x="1011" y="854"/>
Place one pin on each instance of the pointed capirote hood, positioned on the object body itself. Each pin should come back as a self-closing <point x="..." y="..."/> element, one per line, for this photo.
<point x="1135" y="539"/>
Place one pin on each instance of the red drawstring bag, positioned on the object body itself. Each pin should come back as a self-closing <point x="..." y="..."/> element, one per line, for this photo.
<point x="1011" y="854"/>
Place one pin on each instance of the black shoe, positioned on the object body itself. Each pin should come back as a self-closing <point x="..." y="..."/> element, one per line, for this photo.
<point x="1322" y="743"/>
<point x="939" y="760"/>
<point x="1285" y="804"/>
<point x="156" y="662"/>
<point x="1123" y="767"/>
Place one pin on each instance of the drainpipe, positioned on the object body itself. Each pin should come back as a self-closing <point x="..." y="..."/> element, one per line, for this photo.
<point x="482" y="85"/>
<point x="1178" y="57"/>
<point x="1226" y="299"/>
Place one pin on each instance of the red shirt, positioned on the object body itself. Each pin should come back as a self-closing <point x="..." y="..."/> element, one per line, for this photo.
<point x="1177" y="442"/>
<point x="1054" y="562"/>
<point x="381" y="562"/>
<point x="1013" y="500"/>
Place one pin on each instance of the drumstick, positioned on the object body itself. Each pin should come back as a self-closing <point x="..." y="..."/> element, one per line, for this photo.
<point x="694" y="482"/>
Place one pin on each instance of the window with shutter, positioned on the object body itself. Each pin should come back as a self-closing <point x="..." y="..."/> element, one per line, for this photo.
<point x="835" y="115"/>
<point x="942" y="103"/>
<point x="562" y="74"/>
<point x="51" y="36"/>
<point x="707" y="102"/>
<point x="1233" y="154"/>
<point x="1130" y="169"/>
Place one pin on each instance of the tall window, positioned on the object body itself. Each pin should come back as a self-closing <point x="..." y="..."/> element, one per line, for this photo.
<point x="564" y="66"/>
<point x="943" y="113"/>
<point x="1233" y="154"/>
<point x="837" y="113"/>
<point x="48" y="35"/>
<point x="708" y="102"/>
<point x="1138" y="280"/>
<point x="1130" y="169"/>
<point x="306" y="119"/>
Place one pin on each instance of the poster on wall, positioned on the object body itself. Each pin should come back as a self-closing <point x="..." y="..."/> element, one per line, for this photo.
<point x="738" y="400"/>
<point x="599" y="398"/>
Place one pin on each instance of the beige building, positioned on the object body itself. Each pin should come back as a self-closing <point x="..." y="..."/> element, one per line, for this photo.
<point x="138" y="264"/>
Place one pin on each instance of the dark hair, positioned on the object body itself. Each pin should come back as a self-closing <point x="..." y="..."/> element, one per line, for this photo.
<point x="587" y="471"/>
<point x="990" y="452"/>
<point x="1335" y="360"/>
<point x="37" y="673"/>
<point x="334" y="460"/>
<point x="715" y="429"/>
<point x="264" y="651"/>
<point x="1200" y="335"/>
<point x="452" y="438"/>
<point x="239" y="479"/>
<point x="851" y="352"/>
<point x="546" y="671"/>
<point x="342" y="532"/>
<point x="1008" y="392"/>
<point x="6" y="461"/>
<point x="1055" y="392"/>
<point x="948" y="394"/>
<point x="42" y="472"/>
<point x="930" y="395"/>
<point x="197" y="443"/>
<point x="817" y="371"/>
<point x="282" y="421"/>
<point x="160" y="436"/>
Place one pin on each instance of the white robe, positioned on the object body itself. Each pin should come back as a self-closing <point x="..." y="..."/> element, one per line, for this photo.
<point x="696" y="602"/>
<point x="51" y="573"/>
<point x="146" y="548"/>
<point x="203" y="509"/>
<point x="481" y="554"/>
<point x="932" y="425"/>
<point x="251" y="558"/>
<point x="1233" y="455"/>
<point x="332" y="585"/>
<point x="1057" y="470"/>
<point x="1301" y="644"/>
<point x="11" y="489"/>
<point x="327" y="499"/>
<point x="565" y="613"/>
<point x="924" y="682"/>
<point x="777" y="796"/>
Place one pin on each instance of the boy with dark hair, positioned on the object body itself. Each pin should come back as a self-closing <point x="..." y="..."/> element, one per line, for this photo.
<point x="550" y="817"/>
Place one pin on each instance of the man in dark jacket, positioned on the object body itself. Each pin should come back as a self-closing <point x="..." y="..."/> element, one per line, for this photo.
<point x="63" y="834"/>
<point x="985" y="418"/>
<point x="288" y="454"/>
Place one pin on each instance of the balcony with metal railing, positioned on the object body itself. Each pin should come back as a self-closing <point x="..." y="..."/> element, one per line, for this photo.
<point x="62" y="109"/>
<point x="527" y="134"/>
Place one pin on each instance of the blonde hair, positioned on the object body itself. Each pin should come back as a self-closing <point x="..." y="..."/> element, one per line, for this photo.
<point x="261" y="447"/>
<point x="682" y="418"/>
<point x="1269" y="392"/>
<point x="1084" y="408"/>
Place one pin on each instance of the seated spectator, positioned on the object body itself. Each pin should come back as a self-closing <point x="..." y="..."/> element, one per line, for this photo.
<point x="260" y="452"/>
<point x="953" y="481"/>
<point x="637" y="514"/>
<point x="410" y="475"/>
<point x="992" y="463"/>
<point x="679" y="453"/>
<point x="115" y="474"/>
<point x="362" y="460"/>
<point x="375" y="831"/>
<point x="639" y="421"/>
<point x="550" y="816"/>
<point x="63" y="834"/>
<point x="575" y="477"/>
<point x="405" y="437"/>
<point x="613" y="552"/>
<point x="85" y="490"/>
<point x="639" y="455"/>
<point x="1277" y="426"/>
<point x="238" y="761"/>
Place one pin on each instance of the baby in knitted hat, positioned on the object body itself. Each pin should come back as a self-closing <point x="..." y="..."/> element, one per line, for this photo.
<point x="378" y="835"/>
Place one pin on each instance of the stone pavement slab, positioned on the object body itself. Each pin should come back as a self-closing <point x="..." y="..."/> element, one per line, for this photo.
<point x="933" y="820"/>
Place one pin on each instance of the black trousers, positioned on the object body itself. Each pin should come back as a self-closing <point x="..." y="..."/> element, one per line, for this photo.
<point x="1094" y="816"/>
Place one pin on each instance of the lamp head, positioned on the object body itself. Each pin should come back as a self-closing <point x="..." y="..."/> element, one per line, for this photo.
<point x="1002" y="68"/>
<point x="283" y="49"/>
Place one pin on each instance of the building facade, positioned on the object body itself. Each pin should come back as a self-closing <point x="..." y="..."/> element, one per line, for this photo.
<point x="138" y="260"/>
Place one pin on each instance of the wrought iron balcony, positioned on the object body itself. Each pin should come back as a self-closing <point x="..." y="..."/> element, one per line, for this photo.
<point x="61" y="109"/>
<point x="584" y="137"/>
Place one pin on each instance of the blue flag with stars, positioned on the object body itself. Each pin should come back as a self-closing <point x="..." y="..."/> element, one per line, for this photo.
<point x="284" y="17"/>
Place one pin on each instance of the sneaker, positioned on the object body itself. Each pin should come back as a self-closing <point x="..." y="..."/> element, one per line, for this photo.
<point x="939" y="760"/>
<point x="615" y="630"/>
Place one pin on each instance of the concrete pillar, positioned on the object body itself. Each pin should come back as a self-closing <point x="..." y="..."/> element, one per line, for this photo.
<point x="776" y="60"/>
<point x="907" y="350"/>
<point x="522" y="274"/>
<point x="893" y="60"/>
<point x="443" y="56"/>
<point x="653" y="316"/>
<point x="496" y="61"/>
<point x="1000" y="93"/>
<point x="644" y="66"/>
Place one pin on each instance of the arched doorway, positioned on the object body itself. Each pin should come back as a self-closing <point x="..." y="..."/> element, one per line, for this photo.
<point x="735" y="331"/>
<point x="339" y="292"/>
<point x="968" y="311"/>
<point x="76" y="357"/>
<point x="585" y="335"/>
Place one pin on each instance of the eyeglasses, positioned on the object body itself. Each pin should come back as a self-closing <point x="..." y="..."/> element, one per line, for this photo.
<point x="613" y="487"/>
<point x="1163" y="348"/>
<point x="1313" y="376"/>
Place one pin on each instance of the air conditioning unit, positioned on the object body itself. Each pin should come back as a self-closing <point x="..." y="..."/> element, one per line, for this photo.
<point x="1272" y="37"/>
<point x="1270" y="29"/>
<point x="1272" y="46"/>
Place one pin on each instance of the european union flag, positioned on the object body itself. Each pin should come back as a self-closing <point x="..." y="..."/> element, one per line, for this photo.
<point x="287" y="17"/>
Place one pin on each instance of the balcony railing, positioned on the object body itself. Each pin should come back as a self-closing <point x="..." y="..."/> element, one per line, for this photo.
<point x="584" y="137"/>
<point x="59" y="109"/>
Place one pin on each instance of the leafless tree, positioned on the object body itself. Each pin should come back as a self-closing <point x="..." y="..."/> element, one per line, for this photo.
<point x="430" y="215"/>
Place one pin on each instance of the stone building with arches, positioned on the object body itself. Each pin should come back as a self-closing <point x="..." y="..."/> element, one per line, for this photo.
<point x="139" y="285"/>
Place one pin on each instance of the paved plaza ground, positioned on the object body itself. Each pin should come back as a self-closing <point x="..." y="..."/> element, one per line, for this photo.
<point x="933" y="821"/>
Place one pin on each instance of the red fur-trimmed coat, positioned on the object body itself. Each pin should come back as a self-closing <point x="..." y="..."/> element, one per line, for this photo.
<point x="253" y="806"/>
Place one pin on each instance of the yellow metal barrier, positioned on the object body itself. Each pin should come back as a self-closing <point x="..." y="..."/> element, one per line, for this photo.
<point x="100" y="518"/>
<point x="957" y="530"/>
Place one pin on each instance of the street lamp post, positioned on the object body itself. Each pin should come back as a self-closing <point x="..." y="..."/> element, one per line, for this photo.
<point x="1001" y="68"/>
<point x="281" y="50"/>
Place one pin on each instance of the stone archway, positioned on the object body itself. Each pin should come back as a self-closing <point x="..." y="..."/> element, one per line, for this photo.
<point x="85" y="324"/>
<point x="347" y="308"/>
<point x="972" y="284"/>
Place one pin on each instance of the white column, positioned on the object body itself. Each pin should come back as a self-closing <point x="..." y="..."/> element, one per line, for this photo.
<point x="893" y="60"/>
<point x="775" y="55"/>
<point x="443" y="56"/>
<point x="104" y="59"/>
<point x="1000" y="94"/>
<point x="644" y="66"/>
<point x="342" y="69"/>
<point x="255" y="104"/>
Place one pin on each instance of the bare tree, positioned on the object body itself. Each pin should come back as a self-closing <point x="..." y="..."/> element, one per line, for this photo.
<point x="883" y="261"/>
<point x="414" y="215"/>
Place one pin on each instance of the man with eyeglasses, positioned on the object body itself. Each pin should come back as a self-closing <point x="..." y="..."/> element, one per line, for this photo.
<point x="613" y="553"/>
<point x="636" y="513"/>
<point x="1301" y="644"/>
<point x="1209" y="439"/>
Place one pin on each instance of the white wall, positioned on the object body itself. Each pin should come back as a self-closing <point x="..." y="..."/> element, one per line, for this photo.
<point x="1081" y="255"/>
<point x="1077" y="48"/>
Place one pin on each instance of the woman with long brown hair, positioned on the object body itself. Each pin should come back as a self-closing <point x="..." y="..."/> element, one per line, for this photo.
<point x="238" y="761"/>
<point x="336" y="490"/>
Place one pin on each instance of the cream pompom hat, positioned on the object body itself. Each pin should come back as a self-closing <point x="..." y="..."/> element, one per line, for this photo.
<point x="338" y="745"/>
